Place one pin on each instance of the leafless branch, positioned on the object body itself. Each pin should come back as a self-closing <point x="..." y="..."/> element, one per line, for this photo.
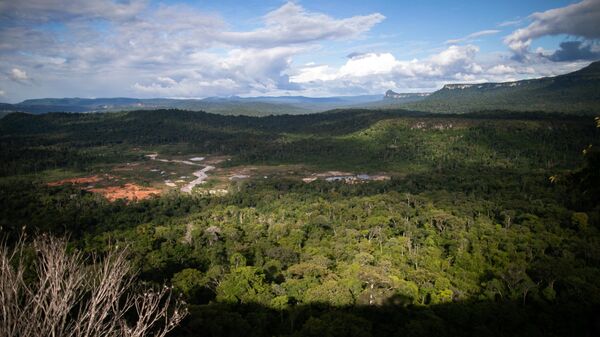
<point x="69" y="297"/>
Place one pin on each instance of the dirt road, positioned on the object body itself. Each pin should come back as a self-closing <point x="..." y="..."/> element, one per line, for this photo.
<point x="202" y="176"/>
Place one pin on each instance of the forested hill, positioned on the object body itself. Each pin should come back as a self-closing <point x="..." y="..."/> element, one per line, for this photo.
<point x="244" y="106"/>
<point x="576" y="92"/>
<point x="355" y="139"/>
<point x="219" y="106"/>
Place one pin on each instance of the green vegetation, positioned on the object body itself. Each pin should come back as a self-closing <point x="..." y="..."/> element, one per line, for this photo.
<point x="576" y="92"/>
<point x="237" y="106"/>
<point x="490" y="225"/>
<point x="573" y="93"/>
<point x="220" y="106"/>
<point x="360" y="140"/>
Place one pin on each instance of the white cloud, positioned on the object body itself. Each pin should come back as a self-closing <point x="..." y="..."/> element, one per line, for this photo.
<point x="188" y="87"/>
<point x="381" y="70"/>
<point x="449" y="63"/>
<point x="258" y="61"/>
<point x="501" y="69"/>
<point x="455" y="55"/>
<point x="376" y="72"/>
<point x="245" y="70"/>
<point x="2" y="93"/>
<point x="18" y="75"/>
<point x="510" y="23"/>
<point x="292" y="24"/>
<point x="473" y="36"/>
<point x="580" y="19"/>
<point x="128" y="48"/>
<point x="173" y="50"/>
<point x="368" y="64"/>
<point x="312" y="72"/>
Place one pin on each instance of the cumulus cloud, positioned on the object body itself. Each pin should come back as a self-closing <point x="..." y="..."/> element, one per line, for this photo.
<point x="168" y="49"/>
<point x="449" y="63"/>
<point x="473" y="36"/>
<point x="313" y="73"/>
<point x="292" y="24"/>
<point x="128" y="48"/>
<point x="383" y="70"/>
<point x="501" y="69"/>
<point x="377" y="72"/>
<point x="368" y="64"/>
<point x="258" y="61"/>
<point x="461" y="56"/>
<point x="579" y="19"/>
<point x="18" y="75"/>
<point x="242" y="70"/>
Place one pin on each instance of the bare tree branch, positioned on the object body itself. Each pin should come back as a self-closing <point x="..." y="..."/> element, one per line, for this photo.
<point x="71" y="298"/>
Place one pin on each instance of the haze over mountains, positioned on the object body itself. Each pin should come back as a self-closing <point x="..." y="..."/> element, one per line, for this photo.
<point x="253" y="106"/>
<point x="576" y="92"/>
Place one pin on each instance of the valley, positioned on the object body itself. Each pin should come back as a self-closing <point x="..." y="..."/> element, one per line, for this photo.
<point x="347" y="213"/>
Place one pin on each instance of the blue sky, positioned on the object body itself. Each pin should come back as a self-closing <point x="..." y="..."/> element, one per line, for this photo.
<point x="195" y="49"/>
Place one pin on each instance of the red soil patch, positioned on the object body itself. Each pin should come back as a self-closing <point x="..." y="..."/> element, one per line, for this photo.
<point x="130" y="192"/>
<point x="76" y="181"/>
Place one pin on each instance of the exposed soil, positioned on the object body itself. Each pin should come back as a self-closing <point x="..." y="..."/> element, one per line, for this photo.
<point x="129" y="191"/>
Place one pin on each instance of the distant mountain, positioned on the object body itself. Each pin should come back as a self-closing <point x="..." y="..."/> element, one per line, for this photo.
<point x="226" y="107"/>
<point x="405" y="96"/>
<point x="391" y="100"/>
<point x="576" y="92"/>
<point x="250" y="106"/>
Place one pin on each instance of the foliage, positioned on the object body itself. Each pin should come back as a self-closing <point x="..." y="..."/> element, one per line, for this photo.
<point x="576" y="92"/>
<point x="469" y="237"/>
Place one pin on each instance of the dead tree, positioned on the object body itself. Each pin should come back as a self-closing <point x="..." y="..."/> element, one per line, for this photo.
<point x="46" y="291"/>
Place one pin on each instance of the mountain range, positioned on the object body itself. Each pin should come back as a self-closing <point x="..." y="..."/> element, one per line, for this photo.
<point x="251" y="106"/>
<point x="576" y="92"/>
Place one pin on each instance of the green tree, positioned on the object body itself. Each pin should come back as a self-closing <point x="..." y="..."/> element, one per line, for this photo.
<point x="244" y="285"/>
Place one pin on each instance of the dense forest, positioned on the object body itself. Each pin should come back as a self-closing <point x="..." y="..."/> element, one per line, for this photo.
<point x="489" y="225"/>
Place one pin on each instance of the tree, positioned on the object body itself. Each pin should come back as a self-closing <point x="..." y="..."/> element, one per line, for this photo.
<point x="244" y="285"/>
<point x="46" y="291"/>
<point x="190" y="282"/>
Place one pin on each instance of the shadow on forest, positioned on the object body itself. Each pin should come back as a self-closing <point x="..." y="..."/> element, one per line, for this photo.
<point x="476" y="318"/>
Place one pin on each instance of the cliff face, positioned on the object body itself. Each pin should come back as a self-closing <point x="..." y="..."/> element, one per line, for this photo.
<point x="576" y="92"/>
<point x="483" y="86"/>
<point x="394" y="95"/>
<point x="586" y="76"/>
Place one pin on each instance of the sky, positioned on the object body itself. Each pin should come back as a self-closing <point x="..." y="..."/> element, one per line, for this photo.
<point x="197" y="49"/>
